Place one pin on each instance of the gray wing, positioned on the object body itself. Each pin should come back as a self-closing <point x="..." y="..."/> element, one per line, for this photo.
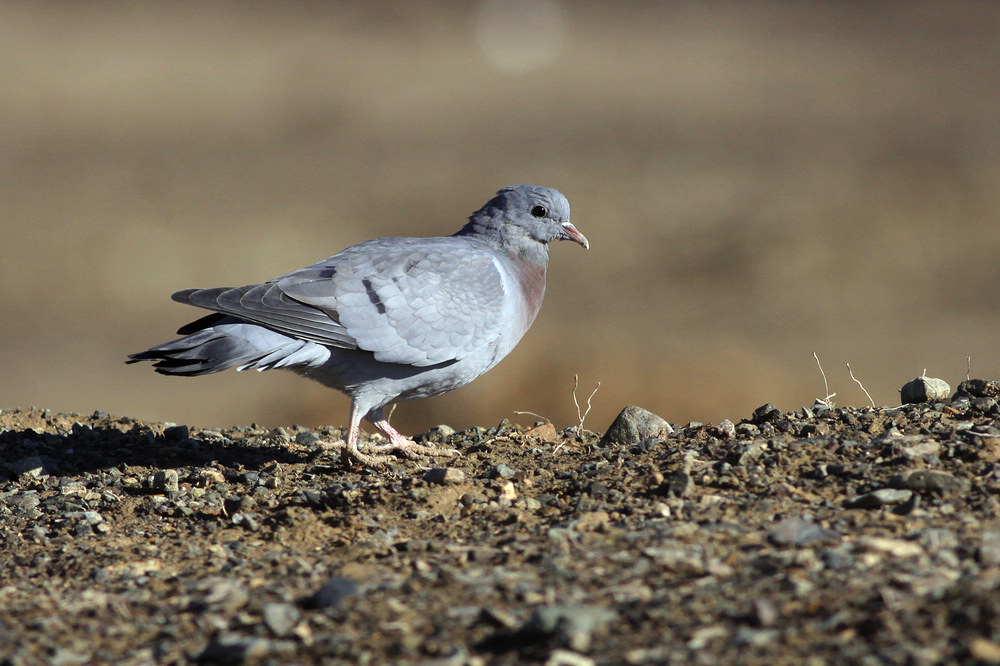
<point x="416" y="301"/>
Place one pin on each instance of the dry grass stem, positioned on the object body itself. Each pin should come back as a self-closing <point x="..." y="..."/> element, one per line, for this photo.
<point x="828" y="400"/>
<point x="537" y="416"/>
<point x="583" y="416"/>
<point x="862" y="386"/>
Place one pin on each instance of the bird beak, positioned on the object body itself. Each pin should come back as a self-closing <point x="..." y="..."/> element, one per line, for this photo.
<point x="574" y="235"/>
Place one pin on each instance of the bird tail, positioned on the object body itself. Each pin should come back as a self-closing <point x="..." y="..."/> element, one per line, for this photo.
<point x="225" y="343"/>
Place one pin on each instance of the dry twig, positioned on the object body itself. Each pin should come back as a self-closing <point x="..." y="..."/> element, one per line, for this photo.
<point x="583" y="416"/>
<point x="863" y="386"/>
<point x="828" y="400"/>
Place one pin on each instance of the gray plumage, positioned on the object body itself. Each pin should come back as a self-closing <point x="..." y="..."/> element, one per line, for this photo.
<point x="390" y="319"/>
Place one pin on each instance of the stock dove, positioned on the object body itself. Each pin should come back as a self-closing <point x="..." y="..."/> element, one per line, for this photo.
<point x="386" y="320"/>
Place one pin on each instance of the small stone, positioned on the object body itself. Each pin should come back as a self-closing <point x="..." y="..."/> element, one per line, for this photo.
<point x="989" y="548"/>
<point x="545" y="432"/>
<point x="166" y="480"/>
<point x="444" y="475"/>
<point x="438" y="432"/>
<point x="765" y="413"/>
<point x="501" y="471"/>
<point x="281" y="618"/>
<point x="633" y="425"/>
<point x="176" y="433"/>
<point x="897" y="548"/>
<point x="508" y="490"/>
<point x="878" y="498"/>
<point x="86" y="517"/>
<point x="567" y="626"/>
<point x="924" y="389"/>
<point x="985" y="651"/>
<point x="797" y="531"/>
<point x="764" y="612"/>
<point x="567" y="658"/>
<point x="725" y="429"/>
<point x="31" y="466"/>
<point x="977" y="388"/>
<point x="209" y="477"/>
<point x="225" y="595"/>
<point x="306" y="438"/>
<point x="234" y="649"/>
<point x="333" y="593"/>
<point x="929" y="479"/>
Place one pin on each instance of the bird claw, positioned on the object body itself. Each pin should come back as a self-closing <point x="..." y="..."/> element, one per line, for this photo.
<point x="414" y="451"/>
<point x="407" y="448"/>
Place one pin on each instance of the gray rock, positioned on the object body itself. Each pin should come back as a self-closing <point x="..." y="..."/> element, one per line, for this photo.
<point x="444" y="475"/>
<point x="31" y="466"/>
<point x="878" y="498"/>
<point x="501" y="471"/>
<point x="798" y="531"/>
<point x="633" y="425"/>
<point x="281" y="618"/>
<point x="765" y="413"/>
<point x="306" y="438"/>
<point x="176" y="433"/>
<point x="234" y="649"/>
<point x="166" y="481"/>
<point x="989" y="548"/>
<point x="924" y="389"/>
<point x="333" y="593"/>
<point x="568" y="626"/>
<point x="929" y="479"/>
<point x="977" y="388"/>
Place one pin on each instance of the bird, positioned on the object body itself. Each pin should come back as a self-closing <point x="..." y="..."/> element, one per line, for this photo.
<point x="386" y="320"/>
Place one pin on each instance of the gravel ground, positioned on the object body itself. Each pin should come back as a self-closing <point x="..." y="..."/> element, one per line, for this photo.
<point x="822" y="535"/>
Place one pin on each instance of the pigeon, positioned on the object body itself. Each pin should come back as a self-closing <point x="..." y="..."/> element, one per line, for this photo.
<point x="386" y="320"/>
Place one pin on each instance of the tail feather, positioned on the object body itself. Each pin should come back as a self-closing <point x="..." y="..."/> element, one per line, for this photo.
<point x="231" y="345"/>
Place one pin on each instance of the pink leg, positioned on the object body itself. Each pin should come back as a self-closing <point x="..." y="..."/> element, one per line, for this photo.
<point x="398" y="443"/>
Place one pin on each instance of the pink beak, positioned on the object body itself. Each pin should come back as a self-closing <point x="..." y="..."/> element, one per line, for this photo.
<point x="575" y="236"/>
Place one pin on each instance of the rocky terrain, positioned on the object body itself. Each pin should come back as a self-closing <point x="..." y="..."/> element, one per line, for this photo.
<point x="821" y="535"/>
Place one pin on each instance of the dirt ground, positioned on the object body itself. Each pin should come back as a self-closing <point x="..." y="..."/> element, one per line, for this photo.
<point x="817" y="536"/>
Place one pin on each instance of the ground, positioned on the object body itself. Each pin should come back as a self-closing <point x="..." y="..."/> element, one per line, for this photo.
<point x="822" y="535"/>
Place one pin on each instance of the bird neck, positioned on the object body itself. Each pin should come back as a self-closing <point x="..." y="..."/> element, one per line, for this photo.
<point x="508" y="239"/>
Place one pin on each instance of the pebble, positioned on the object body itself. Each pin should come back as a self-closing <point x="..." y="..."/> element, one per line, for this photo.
<point x="634" y="424"/>
<point x="765" y="413"/>
<point x="878" y="498"/>
<point x="929" y="479"/>
<point x="924" y="389"/>
<point x="166" y="480"/>
<point x="333" y="593"/>
<point x="230" y="648"/>
<point x="31" y="466"/>
<point x="176" y="433"/>
<point x="280" y="617"/>
<point x="306" y="438"/>
<point x="444" y="475"/>
<point x="571" y="626"/>
<point x="797" y="531"/>
<point x="501" y="471"/>
<point x="989" y="548"/>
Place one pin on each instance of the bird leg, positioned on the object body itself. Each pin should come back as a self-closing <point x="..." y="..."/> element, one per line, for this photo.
<point x="398" y="443"/>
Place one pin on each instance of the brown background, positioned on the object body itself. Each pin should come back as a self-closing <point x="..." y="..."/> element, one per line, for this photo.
<point x="759" y="182"/>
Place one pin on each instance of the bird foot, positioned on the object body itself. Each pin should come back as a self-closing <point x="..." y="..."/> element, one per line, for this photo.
<point x="410" y="449"/>
<point x="378" y="459"/>
<point x="353" y="457"/>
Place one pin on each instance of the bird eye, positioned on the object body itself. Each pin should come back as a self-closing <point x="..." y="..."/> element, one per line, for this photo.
<point x="539" y="211"/>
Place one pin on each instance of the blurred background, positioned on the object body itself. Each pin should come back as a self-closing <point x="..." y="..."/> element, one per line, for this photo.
<point x="759" y="182"/>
